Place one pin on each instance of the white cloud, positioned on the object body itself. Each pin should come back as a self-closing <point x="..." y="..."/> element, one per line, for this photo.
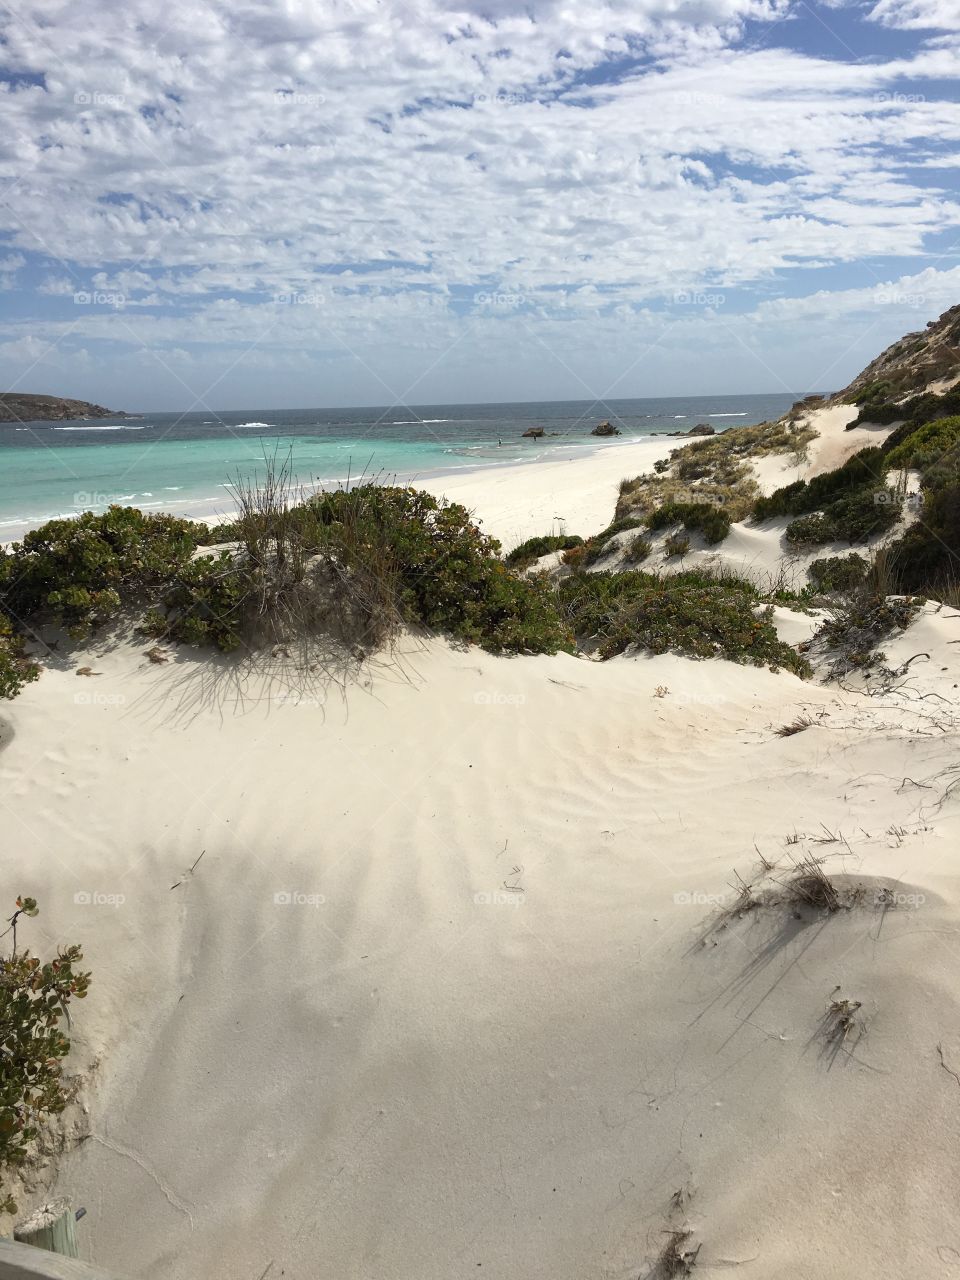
<point x="204" y="159"/>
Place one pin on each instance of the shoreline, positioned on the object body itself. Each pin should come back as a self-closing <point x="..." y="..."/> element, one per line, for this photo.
<point x="467" y="484"/>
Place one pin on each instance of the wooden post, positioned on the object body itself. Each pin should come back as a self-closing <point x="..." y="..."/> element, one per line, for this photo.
<point x="50" y="1227"/>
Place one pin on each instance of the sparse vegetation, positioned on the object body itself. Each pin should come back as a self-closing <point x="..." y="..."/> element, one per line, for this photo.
<point x="596" y="547"/>
<point x="714" y="470"/>
<point x="676" y="544"/>
<point x="859" y="621"/>
<point x="34" y="1000"/>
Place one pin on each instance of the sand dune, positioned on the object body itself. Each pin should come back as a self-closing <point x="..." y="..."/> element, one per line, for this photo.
<point x="455" y="989"/>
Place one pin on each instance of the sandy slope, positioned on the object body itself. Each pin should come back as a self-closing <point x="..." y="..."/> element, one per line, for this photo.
<point x="447" y="992"/>
<point x="497" y="1031"/>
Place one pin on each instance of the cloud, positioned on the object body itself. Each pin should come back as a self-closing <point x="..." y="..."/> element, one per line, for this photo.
<point x="383" y="166"/>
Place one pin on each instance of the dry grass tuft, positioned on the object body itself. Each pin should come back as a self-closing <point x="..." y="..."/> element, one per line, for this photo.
<point x="677" y="1258"/>
<point x="810" y="885"/>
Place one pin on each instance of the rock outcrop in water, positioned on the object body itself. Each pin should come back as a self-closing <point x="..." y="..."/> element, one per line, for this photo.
<point x="16" y="406"/>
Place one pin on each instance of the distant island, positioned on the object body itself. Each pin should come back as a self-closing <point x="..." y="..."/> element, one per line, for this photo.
<point x="15" y="407"/>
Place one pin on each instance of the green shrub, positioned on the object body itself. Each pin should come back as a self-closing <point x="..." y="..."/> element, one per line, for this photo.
<point x="927" y="557"/>
<point x="638" y="550"/>
<point x="527" y="553"/>
<point x="691" y="613"/>
<point x="779" y="503"/>
<point x="713" y="522"/>
<point x="857" y="625"/>
<point x="676" y="544"/>
<point x="78" y="572"/>
<point x="838" y="573"/>
<point x="370" y="557"/>
<point x="858" y="516"/>
<point x="925" y="445"/>
<point x="34" y="1000"/>
<point x="16" y="669"/>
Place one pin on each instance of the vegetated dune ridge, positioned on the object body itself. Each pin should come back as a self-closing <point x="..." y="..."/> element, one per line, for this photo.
<point x="463" y="981"/>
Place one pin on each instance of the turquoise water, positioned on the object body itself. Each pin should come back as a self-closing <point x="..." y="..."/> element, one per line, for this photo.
<point x="185" y="463"/>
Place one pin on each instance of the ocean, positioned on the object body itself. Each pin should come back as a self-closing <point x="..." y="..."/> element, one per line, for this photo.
<point x="185" y="463"/>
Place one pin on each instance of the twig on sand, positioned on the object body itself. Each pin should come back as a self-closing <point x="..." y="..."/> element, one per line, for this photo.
<point x="949" y="1070"/>
<point x="189" y="873"/>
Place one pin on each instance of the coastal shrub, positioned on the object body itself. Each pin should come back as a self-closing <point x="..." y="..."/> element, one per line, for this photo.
<point x="711" y="521"/>
<point x="16" y="669"/>
<point x="527" y="553"/>
<point x="34" y="1001"/>
<point x="866" y="467"/>
<point x="858" y="516"/>
<point x="927" y="557"/>
<point x="691" y="612"/>
<point x="638" y="551"/>
<point x="838" y="573"/>
<point x="926" y="444"/>
<point x="596" y="546"/>
<point x="857" y="624"/>
<point x="676" y="544"/>
<point x="78" y="572"/>
<point x="362" y="561"/>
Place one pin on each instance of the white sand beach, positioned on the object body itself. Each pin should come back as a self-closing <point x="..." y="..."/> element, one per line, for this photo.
<point x="450" y="988"/>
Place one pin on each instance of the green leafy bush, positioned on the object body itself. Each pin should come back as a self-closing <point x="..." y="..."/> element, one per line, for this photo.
<point x="691" y="613"/>
<point x="838" y="573"/>
<point x="868" y="467"/>
<point x="858" y="516"/>
<point x="77" y="572"/>
<point x="16" y="669"/>
<point x="925" y="445"/>
<point x="713" y="522"/>
<point x="385" y="555"/>
<point x="527" y="553"/>
<point x="34" y="1000"/>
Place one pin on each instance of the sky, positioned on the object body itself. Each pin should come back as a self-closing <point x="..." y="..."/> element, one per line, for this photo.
<point x="213" y="204"/>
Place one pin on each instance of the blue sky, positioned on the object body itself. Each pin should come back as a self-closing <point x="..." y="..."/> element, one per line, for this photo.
<point x="212" y="205"/>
